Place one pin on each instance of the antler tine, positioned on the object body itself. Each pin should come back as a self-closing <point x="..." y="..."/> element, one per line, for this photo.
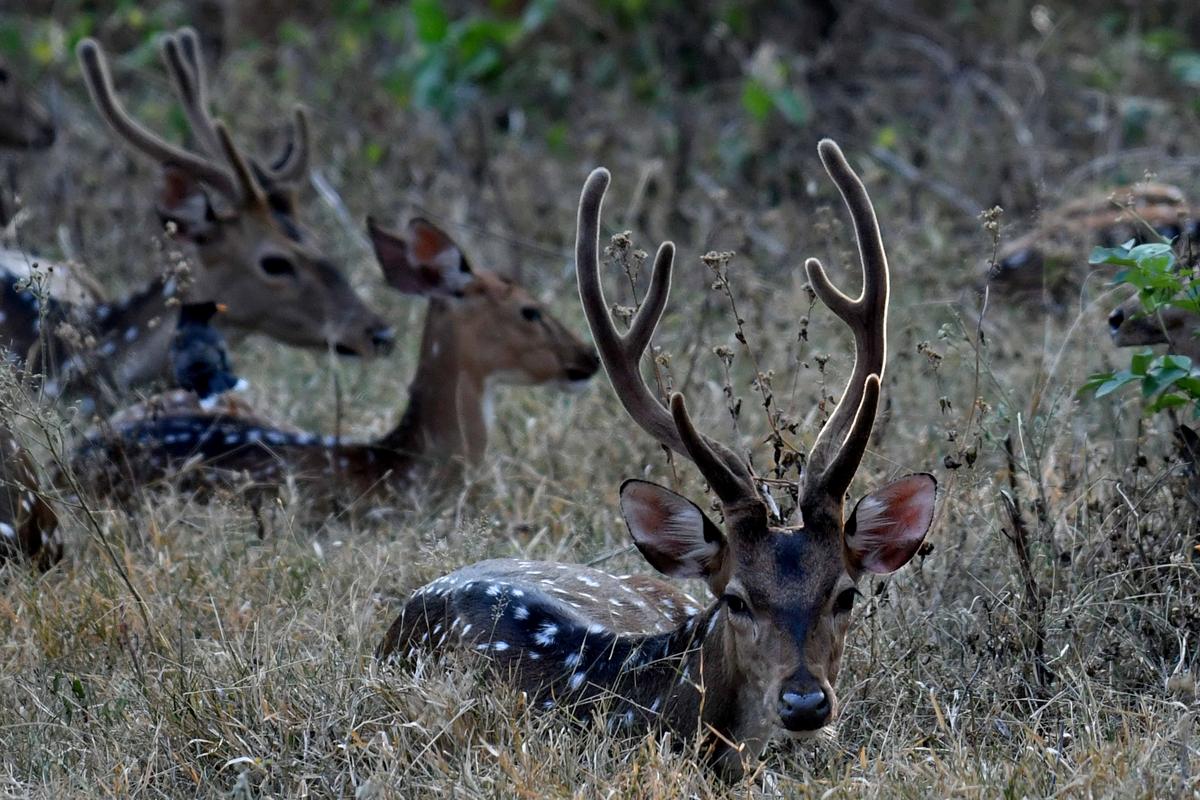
<point x="621" y="354"/>
<point x="99" y="82"/>
<point x="724" y="472"/>
<point x="292" y="165"/>
<point x="252" y="193"/>
<point x="841" y="443"/>
<point x="179" y="52"/>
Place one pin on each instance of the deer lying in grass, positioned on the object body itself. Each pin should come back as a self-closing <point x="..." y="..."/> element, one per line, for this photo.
<point x="253" y="257"/>
<point x="1178" y="328"/>
<point x="764" y="654"/>
<point x="28" y="525"/>
<point x="481" y="330"/>
<point x="24" y="122"/>
<point x="1051" y="258"/>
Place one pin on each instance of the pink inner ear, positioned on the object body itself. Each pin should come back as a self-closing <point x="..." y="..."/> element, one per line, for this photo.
<point x="428" y="241"/>
<point x="890" y="523"/>
<point x="668" y="529"/>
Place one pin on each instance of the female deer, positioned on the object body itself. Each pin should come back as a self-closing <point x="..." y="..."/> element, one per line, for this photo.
<point x="764" y="654"/>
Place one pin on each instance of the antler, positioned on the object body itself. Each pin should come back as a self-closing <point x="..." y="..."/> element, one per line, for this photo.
<point x="840" y="445"/>
<point x="182" y="57"/>
<point x="621" y="354"/>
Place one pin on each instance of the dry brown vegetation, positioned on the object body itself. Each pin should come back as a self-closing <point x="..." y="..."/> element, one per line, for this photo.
<point x="1043" y="645"/>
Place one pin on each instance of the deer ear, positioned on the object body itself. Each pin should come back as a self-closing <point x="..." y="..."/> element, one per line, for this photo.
<point x="672" y="532"/>
<point x="184" y="202"/>
<point x="888" y="525"/>
<point x="425" y="261"/>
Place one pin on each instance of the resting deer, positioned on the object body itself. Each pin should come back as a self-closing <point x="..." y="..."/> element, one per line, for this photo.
<point x="24" y="122"/>
<point x="1050" y="258"/>
<point x="481" y="330"/>
<point x="1179" y="329"/>
<point x="764" y="654"/>
<point x="28" y="525"/>
<point x="253" y="257"/>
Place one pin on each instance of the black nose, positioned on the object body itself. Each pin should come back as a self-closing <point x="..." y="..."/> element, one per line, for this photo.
<point x="1114" y="321"/>
<point x="804" y="712"/>
<point x="382" y="339"/>
<point x="584" y="368"/>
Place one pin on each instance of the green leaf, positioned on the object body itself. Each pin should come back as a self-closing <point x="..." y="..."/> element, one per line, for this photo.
<point x="1168" y="400"/>
<point x="756" y="100"/>
<point x="790" y="105"/>
<point x="1139" y="364"/>
<point x="1117" y="256"/>
<point x="1122" y="378"/>
<point x="431" y="20"/>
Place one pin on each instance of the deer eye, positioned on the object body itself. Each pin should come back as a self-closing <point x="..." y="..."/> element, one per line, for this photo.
<point x="276" y="266"/>
<point x="845" y="601"/>
<point x="736" y="605"/>
<point x="531" y="313"/>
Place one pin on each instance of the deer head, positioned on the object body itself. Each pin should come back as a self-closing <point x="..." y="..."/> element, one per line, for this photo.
<point x="497" y="329"/>
<point x="254" y="257"/>
<point x="24" y="122"/>
<point x="1130" y="326"/>
<point x="764" y="655"/>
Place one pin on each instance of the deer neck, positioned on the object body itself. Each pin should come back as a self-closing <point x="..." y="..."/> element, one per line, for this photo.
<point x="686" y="680"/>
<point x="447" y="417"/>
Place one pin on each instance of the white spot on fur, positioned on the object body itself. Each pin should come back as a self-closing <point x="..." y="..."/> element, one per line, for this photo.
<point x="545" y="635"/>
<point x="7" y="531"/>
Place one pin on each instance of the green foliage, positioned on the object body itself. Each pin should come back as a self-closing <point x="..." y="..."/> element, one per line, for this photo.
<point x="1166" y="381"/>
<point x="451" y="56"/>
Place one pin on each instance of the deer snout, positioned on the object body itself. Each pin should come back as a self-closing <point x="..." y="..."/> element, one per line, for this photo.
<point x="1115" y="320"/>
<point x="804" y="711"/>
<point x="584" y="367"/>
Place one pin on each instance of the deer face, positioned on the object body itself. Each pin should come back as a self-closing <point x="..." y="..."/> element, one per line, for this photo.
<point x="501" y="333"/>
<point x="1130" y="326"/>
<point x="784" y="596"/>
<point x="24" y="122"/>
<point x="258" y="265"/>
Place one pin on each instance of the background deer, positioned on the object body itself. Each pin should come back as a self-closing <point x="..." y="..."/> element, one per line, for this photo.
<point x="481" y="330"/>
<point x="28" y="525"/>
<point x="1130" y="326"/>
<point x="764" y="654"/>
<point x="1048" y="258"/>
<point x="24" y="122"/>
<point x="253" y="256"/>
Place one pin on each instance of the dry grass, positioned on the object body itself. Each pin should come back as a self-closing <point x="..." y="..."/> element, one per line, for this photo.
<point x="973" y="673"/>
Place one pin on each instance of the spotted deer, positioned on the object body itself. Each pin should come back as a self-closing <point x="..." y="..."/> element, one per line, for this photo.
<point x="764" y="654"/>
<point x="1179" y="329"/>
<point x="481" y="330"/>
<point x="1051" y="259"/>
<point x="24" y="122"/>
<point x="28" y="525"/>
<point x="252" y="255"/>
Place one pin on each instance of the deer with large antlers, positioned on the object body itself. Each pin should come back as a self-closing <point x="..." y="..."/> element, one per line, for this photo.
<point x="764" y="654"/>
<point x="253" y="256"/>
<point x="481" y="330"/>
